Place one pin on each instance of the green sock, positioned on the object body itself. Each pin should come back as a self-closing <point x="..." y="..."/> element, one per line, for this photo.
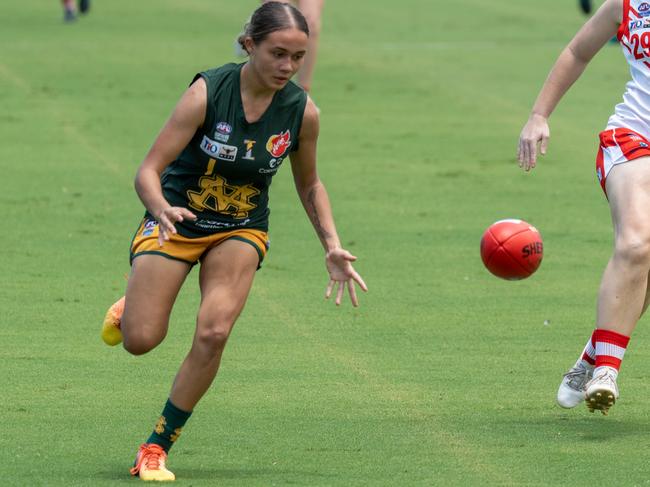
<point x="169" y="426"/>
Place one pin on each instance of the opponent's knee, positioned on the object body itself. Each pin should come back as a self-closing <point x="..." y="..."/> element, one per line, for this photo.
<point x="314" y="24"/>
<point x="634" y="250"/>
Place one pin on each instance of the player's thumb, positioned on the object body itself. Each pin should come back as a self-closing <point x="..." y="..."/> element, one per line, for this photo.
<point x="544" y="145"/>
<point x="349" y="257"/>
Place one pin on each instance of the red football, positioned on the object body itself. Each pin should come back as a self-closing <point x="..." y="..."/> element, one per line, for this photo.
<point x="512" y="249"/>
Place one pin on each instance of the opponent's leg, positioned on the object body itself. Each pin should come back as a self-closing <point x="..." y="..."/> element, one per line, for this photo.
<point x="646" y="302"/>
<point x="312" y="10"/>
<point x="69" y="10"/>
<point x="574" y="383"/>
<point x="623" y="289"/>
<point x="585" y="6"/>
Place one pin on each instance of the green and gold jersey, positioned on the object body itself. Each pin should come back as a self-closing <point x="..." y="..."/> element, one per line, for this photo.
<point x="224" y="173"/>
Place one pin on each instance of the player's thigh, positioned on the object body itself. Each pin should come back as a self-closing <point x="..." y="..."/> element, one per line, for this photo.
<point x="628" y="192"/>
<point x="153" y="285"/>
<point x="226" y="276"/>
<point x="311" y="9"/>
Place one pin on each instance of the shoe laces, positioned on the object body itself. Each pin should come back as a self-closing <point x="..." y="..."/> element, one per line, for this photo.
<point x="604" y="377"/>
<point x="152" y="457"/>
<point x="577" y="378"/>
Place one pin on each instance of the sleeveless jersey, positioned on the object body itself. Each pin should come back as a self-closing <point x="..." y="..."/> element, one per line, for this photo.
<point x="634" y="37"/>
<point x="224" y="173"/>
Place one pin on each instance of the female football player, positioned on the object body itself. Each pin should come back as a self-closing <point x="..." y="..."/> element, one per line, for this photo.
<point x="623" y="168"/>
<point x="204" y="184"/>
<point x="70" y="9"/>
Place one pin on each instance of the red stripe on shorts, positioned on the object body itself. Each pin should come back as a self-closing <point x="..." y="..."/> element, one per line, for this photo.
<point x="632" y="145"/>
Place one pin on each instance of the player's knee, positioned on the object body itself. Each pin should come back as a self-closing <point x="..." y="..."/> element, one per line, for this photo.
<point x="139" y="343"/>
<point x="213" y="338"/>
<point x="634" y="249"/>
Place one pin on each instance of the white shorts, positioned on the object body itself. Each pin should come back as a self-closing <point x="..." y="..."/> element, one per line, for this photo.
<point x="616" y="147"/>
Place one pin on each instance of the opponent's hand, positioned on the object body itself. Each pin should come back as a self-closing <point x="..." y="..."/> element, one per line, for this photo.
<point x="166" y="220"/>
<point x="534" y="134"/>
<point x="342" y="274"/>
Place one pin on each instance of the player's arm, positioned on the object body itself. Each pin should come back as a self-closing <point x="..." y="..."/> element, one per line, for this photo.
<point x="314" y="199"/>
<point x="187" y="117"/>
<point x="567" y="69"/>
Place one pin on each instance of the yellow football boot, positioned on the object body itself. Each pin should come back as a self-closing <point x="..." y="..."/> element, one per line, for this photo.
<point x="150" y="464"/>
<point x="111" y="333"/>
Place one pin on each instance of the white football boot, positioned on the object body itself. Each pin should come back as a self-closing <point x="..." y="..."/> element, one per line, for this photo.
<point x="602" y="390"/>
<point x="574" y="384"/>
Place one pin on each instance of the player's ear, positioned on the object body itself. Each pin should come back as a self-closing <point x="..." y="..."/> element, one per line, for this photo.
<point x="249" y="44"/>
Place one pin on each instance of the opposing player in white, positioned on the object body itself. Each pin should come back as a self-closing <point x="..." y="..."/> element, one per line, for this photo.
<point x="623" y="168"/>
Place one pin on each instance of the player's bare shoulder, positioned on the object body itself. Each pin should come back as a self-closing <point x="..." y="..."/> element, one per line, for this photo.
<point x="310" y="121"/>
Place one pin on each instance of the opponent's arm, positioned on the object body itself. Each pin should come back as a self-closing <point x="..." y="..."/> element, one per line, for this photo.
<point x="567" y="69"/>
<point x="314" y="199"/>
<point x="187" y="117"/>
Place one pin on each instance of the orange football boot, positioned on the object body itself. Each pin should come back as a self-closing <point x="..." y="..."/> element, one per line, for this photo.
<point x="111" y="333"/>
<point x="150" y="464"/>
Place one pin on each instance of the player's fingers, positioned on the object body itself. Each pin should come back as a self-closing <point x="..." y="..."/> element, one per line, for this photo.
<point x="168" y="228"/>
<point x="162" y="237"/>
<point x="544" y="145"/>
<point x="164" y="221"/>
<point x="187" y="214"/>
<point x="353" y="293"/>
<point x="520" y="154"/>
<point x="359" y="280"/>
<point x="524" y="154"/>
<point x="176" y="215"/>
<point x="532" y="154"/>
<point x="328" y="291"/>
<point x="339" y="293"/>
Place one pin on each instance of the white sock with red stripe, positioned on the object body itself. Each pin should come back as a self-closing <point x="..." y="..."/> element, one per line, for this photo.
<point x="588" y="357"/>
<point x="610" y="349"/>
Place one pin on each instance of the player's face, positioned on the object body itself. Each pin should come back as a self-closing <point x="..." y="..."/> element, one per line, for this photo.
<point x="278" y="57"/>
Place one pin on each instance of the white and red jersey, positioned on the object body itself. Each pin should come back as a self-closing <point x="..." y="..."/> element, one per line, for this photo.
<point x="634" y="37"/>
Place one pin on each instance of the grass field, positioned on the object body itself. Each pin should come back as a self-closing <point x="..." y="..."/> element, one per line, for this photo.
<point x="444" y="375"/>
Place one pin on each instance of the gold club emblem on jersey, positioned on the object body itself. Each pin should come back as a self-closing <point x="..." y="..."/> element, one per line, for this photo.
<point x="249" y="149"/>
<point x="217" y="195"/>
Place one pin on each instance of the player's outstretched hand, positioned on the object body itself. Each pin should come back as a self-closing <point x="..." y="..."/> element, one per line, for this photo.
<point x="534" y="134"/>
<point x="166" y="220"/>
<point x="342" y="274"/>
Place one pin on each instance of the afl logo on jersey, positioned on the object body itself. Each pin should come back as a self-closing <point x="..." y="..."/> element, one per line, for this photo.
<point x="224" y="128"/>
<point x="277" y="145"/>
<point x="222" y="131"/>
<point x="644" y="9"/>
